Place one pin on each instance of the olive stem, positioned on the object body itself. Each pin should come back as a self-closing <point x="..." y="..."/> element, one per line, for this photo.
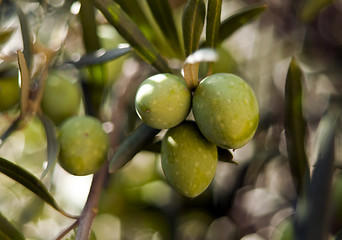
<point x="91" y="207"/>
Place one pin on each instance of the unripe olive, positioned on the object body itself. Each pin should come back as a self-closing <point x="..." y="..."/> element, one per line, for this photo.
<point x="83" y="145"/>
<point x="61" y="98"/>
<point x="163" y="101"/>
<point x="188" y="160"/>
<point x="226" y="110"/>
<point x="9" y="92"/>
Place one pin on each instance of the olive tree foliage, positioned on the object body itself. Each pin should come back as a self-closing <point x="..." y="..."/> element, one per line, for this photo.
<point x="61" y="59"/>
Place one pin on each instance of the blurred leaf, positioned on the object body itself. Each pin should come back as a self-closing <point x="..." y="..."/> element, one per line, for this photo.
<point x="295" y="127"/>
<point x="192" y="24"/>
<point x="87" y="16"/>
<point x="8" y="230"/>
<point x="239" y="19"/>
<point x="101" y="56"/>
<point x="91" y="41"/>
<point x="129" y="30"/>
<point x="338" y="236"/>
<point x="52" y="143"/>
<point x="131" y="146"/>
<point x="5" y="35"/>
<point x="26" y="35"/>
<point x="12" y="128"/>
<point x="225" y="155"/>
<point x="162" y="13"/>
<point x="310" y="8"/>
<point x="29" y="181"/>
<point x="25" y="82"/>
<point x="315" y="222"/>
<point x="213" y="22"/>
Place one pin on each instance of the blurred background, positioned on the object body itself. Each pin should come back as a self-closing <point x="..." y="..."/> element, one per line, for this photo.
<point x="251" y="200"/>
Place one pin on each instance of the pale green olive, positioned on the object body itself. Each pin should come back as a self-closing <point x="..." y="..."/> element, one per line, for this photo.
<point x="83" y="145"/>
<point x="188" y="160"/>
<point x="9" y="92"/>
<point x="226" y="110"/>
<point x="163" y="101"/>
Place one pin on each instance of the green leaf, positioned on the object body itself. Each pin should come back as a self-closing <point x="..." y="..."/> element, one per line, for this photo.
<point x="295" y="127"/>
<point x="52" y="143"/>
<point x="101" y="56"/>
<point x="213" y="22"/>
<point x="129" y="31"/>
<point x="314" y="223"/>
<point x="8" y="230"/>
<point x="311" y="8"/>
<point x="131" y="146"/>
<point x="162" y="13"/>
<point x="239" y="19"/>
<point x="192" y="25"/>
<point x="29" y="181"/>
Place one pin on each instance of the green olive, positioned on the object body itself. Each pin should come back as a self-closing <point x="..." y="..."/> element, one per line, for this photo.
<point x="163" y="101"/>
<point x="188" y="160"/>
<point x="9" y="92"/>
<point x="83" y="145"/>
<point x="226" y="110"/>
<point x="61" y="98"/>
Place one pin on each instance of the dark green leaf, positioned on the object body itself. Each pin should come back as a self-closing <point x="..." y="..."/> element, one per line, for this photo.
<point x="314" y="224"/>
<point x="192" y="24"/>
<point x="239" y="19"/>
<point x="131" y="146"/>
<point x="129" y="30"/>
<point x="91" y="40"/>
<point x="295" y="127"/>
<point x="101" y="56"/>
<point x="225" y="155"/>
<point x="213" y="22"/>
<point x="29" y="181"/>
<point x="162" y="13"/>
<point x="310" y="8"/>
<point x="52" y="143"/>
<point x="8" y="230"/>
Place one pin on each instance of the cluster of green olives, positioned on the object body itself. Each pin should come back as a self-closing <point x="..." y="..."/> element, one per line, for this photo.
<point x="82" y="140"/>
<point x="226" y="114"/>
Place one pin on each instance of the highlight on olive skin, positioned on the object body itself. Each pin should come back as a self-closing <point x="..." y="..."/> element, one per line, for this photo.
<point x="163" y="101"/>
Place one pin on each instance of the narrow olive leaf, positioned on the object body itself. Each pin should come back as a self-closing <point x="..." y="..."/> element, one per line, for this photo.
<point x="213" y="22"/>
<point x="100" y="56"/>
<point x="315" y="224"/>
<point x="192" y="25"/>
<point x="29" y="181"/>
<point x="26" y="35"/>
<point x="11" y="129"/>
<point x="89" y="26"/>
<point x="239" y="19"/>
<point x="129" y="30"/>
<point x="192" y="63"/>
<point x="295" y="127"/>
<point x="8" y="230"/>
<point x="52" y="143"/>
<point x="310" y="9"/>
<point x="25" y="83"/>
<point x="131" y="146"/>
<point x="225" y="155"/>
<point x="5" y="35"/>
<point x="162" y="13"/>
